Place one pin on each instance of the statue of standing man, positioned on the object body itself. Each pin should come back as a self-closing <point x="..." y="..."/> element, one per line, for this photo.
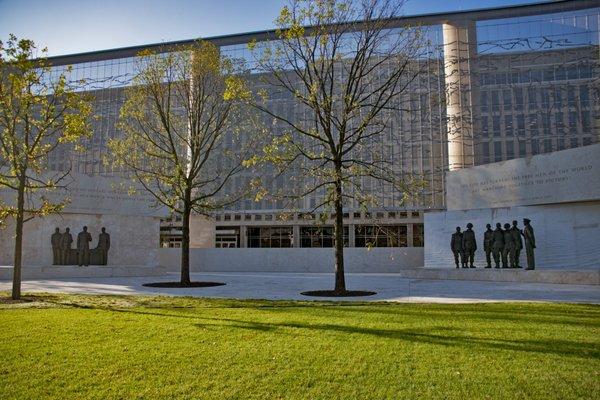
<point x="508" y="252"/>
<point x="498" y="244"/>
<point x="456" y="247"/>
<point x="518" y="243"/>
<point x="488" y="241"/>
<point x="103" y="246"/>
<point x="529" y="243"/>
<point x="469" y="244"/>
<point x="65" y="247"/>
<point x="56" y="241"/>
<point x="83" y="247"/>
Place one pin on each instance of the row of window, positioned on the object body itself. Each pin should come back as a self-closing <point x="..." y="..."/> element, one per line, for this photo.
<point x="312" y="216"/>
<point x="311" y="236"/>
<point x="509" y="149"/>
<point x="556" y="97"/>
<point x="549" y="73"/>
<point x="536" y="124"/>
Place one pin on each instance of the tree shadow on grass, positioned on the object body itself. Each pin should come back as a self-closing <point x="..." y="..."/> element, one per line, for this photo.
<point x="447" y="337"/>
<point x="542" y="346"/>
<point x="588" y="317"/>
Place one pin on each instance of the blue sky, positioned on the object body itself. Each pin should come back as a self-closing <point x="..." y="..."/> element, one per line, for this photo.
<point x="74" y="26"/>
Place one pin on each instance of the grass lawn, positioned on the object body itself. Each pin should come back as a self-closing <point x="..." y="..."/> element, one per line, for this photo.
<point x="104" y="347"/>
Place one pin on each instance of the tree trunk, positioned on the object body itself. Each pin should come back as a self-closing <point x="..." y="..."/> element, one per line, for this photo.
<point x="340" y="280"/>
<point x="16" y="288"/>
<point x="185" y="241"/>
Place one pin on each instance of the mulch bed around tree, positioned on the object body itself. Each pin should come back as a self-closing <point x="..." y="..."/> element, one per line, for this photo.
<point x="333" y="293"/>
<point x="182" y="285"/>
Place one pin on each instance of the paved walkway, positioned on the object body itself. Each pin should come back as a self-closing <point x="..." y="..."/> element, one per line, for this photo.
<point x="287" y="286"/>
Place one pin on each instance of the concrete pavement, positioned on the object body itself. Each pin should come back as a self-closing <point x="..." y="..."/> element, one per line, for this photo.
<point x="287" y="286"/>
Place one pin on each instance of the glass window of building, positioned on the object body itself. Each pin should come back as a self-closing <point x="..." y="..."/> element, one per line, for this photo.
<point x="507" y="99"/>
<point x="227" y="237"/>
<point x="380" y="236"/>
<point x="508" y="125"/>
<point x="535" y="147"/>
<point x="495" y="101"/>
<point x="485" y="147"/>
<point x="418" y="235"/>
<point x="584" y="95"/>
<point x="510" y="150"/>
<point x="496" y="125"/>
<point x="571" y="97"/>
<point x="484" y="101"/>
<point x="484" y="126"/>
<point x="521" y="125"/>
<point x="270" y="236"/>
<point x="497" y="151"/>
<point x="320" y="236"/>
<point x="522" y="148"/>
<point x="574" y="142"/>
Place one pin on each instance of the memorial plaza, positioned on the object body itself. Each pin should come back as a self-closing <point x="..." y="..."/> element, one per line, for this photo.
<point x="501" y="125"/>
<point x="288" y="286"/>
<point x="470" y="271"/>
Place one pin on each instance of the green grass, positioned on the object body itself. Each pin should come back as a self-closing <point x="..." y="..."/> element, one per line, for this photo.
<point x="103" y="347"/>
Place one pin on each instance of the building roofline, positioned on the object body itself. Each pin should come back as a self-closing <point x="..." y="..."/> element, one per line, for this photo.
<point x="545" y="7"/>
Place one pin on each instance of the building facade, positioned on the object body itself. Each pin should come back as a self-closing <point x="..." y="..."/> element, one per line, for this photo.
<point x="499" y="84"/>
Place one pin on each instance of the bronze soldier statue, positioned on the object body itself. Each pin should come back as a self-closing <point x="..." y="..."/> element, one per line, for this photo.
<point x="488" y="240"/>
<point x="56" y="240"/>
<point x="83" y="247"/>
<point x="103" y="246"/>
<point x="529" y="243"/>
<point x="65" y="247"/>
<point x="469" y="245"/>
<point x="508" y="251"/>
<point x="498" y="244"/>
<point x="517" y="242"/>
<point x="456" y="247"/>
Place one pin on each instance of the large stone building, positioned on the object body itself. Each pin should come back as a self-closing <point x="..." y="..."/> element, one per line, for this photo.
<point x="500" y="84"/>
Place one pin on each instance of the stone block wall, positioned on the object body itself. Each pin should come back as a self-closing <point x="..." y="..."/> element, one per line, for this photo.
<point x="294" y="259"/>
<point x="134" y="239"/>
<point x="567" y="234"/>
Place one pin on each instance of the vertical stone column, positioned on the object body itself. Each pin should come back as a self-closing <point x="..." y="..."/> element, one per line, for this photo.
<point x="243" y="236"/>
<point x="409" y="235"/>
<point x="296" y="236"/>
<point x="462" y="94"/>
<point x="351" y="235"/>
<point x="202" y="232"/>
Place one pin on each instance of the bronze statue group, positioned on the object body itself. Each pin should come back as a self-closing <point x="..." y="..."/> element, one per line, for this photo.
<point x="63" y="254"/>
<point x="503" y="244"/>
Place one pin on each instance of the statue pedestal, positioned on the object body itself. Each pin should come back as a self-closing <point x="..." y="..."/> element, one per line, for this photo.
<point x="74" y="258"/>
<point x="539" y="275"/>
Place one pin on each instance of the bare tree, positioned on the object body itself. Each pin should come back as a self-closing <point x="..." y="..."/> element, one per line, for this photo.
<point x="183" y="131"/>
<point x="38" y="112"/>
<point x="348" y="67"/>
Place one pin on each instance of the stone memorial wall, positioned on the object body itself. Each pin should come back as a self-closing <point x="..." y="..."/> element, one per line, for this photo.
<point x="567" y="235"/>
<point x="92" y="194"/>
<point x="129" y="216"/>
<point x="559" y="192"/>
<point x="559" y="177"/>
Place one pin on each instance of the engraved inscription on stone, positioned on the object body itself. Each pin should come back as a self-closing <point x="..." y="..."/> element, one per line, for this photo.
<point x="564" y="176"/>
<point x="97" y="195"/>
